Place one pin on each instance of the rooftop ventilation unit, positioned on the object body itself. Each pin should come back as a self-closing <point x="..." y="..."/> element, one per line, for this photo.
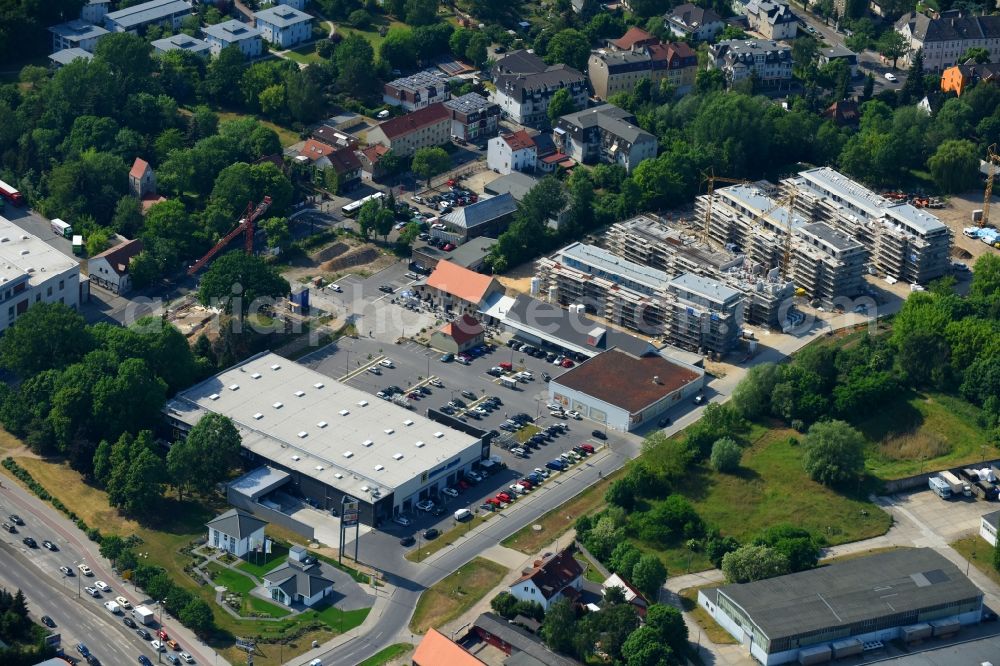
<point x="321" y="424"/>
<point x="389" y="431"/>
<point x="303" y="434"/>
<point x="319" y="468"/>
<point x="344" y="412"/>
<point x="256" y="375"/>
<point x="420" y="445"/>
<point x="407" y="422"/>
<point x="296" y="458"/>
<point x="338" y="475"/>
<point x="277" y="405"/>
<point x="362" y="403"/>
<point x="276" y="367"/>
<point x="299" y="394"/>
<point x="379" y="468"/>
<point x="348" y="454"/>
<point x="318" y="385"/>
<point x="214" y="396"/>
<point x="397" y="456"/>
<point x="364" y="489"/>
<point x="258" y="416"/>
<point x="368" y="442"/>
<point x="234" y="387"/>
<point x="439" y="434"/>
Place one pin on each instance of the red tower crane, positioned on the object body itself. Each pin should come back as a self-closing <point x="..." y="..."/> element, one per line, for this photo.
<point x="244" y="226"/>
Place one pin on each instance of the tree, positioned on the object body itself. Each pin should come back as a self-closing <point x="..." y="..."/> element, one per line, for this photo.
<point x="399" y="48"/>
<point x="560" y="104"/>
<point x="476" y="52"/>
<point x="752" y="396"/>
<point x="128" y="400"/>
<point x="893" y="46"/>
<point x="669" y="625"/>
<point x="570" y="47"/>
<point x="368" y="217"/>
<point x="559" y="627"/>
<point x="223" y="76"/>
<point x="277" y="231"/>
<point x="127" y="219"/>
<point x="976" y="54"/>
<point x="421" y="12"/>
<point x="955" y="166"/>
<point x="795" y="543"/>
<point x="726" y="454"/>
<point x="750" y="563"/>
<point x="238" y="282"/>
<point x="621" y="493"/>
<point x="649" y="575"/>
<point x="996" y="555"/>
<point x="834" y="452"/>
<point x="196" y="615"/>
<point x="913" y="89"/>
<point x="869" y="87"/>
<point x="429" y="162"/>
<point x="102" y="462"/>
<point x="409" y="234"/>
<point x="644" y="648"/>
<point x="624" y="558"/>
<point x="24" y="350"/>
<point x="355" y="61"/>
<point x="206" y="456"/>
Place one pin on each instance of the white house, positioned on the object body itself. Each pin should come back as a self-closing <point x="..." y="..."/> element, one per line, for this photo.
<point x="235" y="531"/>
<point x="696" y="22"/>
<point x="76" y="34"/>
<point x="181" y="42"/>
<point x="230" y="32"/>
<point x="284" y="25"/>
<point x="110" y="269"/>
<point x="551" y="578"/>
<point x="988" y="527"/>
<point x="298" y="581"/>
<point x="772" y="19"/>
<point x="512" y="152"/>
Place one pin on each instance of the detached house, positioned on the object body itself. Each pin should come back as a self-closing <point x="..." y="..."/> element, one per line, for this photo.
<point x="299" y="580"/>
<point x="524" y="85"/>
<point x="556" y="576"/>
<point x="110" y="269"/>
<point x="512" y="152"/>
<point x="423" y="128"/>
<point x="284" y="26"/>
<point x="459" y="289"/>
<point x="773" y="20"/>
<point x="605" y="134"/>
<point x="182" y="42"/>
<point x="228" y="33"/>
<point x="141" y="179"/>
<point x="235" y="531"/>
<point x="694" y="22"/>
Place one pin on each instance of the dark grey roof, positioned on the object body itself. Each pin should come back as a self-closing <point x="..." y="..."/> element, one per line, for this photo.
<point x="572" y="327"/>
<point x="829" y="235"/>
<point x="692" y="16"/>
<point x="613" y="120"/>
<point x="521" y="640"/>
<point x="294" y="578"/>
<point x="154" y="10"/>
<point x="515" y="183"/>
<point x="78" y="30"/>
<point x="993" y="518"/>
<point x="282" y="16"/>
<point x="236" y="523"/>
<point x="556" y="76"/>
<point x="891" y="583"/>
<point x="519" y="62"/>
<point x="482" y="212"/>
<point x="950" y="29"/>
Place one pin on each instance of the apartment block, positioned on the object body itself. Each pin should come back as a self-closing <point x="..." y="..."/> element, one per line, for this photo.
<point x="473" y="117"/>
<point x="404" y="135"/>
<point x="233" y="32"/>
<point x="524" y="85"/>
<point x="632" y="59"/>
<point x="415" y="92"/>
<point x="284" y="25"/>
<point x="137" y="18"/>
<point x="738" y="59"/>
<point x="903" y="242"/>
<point x="76" y="34"/>
<point x="604" y="134"/>
<point x="945" y="39"/>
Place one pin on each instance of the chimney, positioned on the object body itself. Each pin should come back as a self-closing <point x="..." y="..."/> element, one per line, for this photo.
<point x="656" y="379"/>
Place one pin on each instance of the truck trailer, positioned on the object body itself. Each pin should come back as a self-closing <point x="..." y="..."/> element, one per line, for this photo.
<point x="143" y="615"/>
<point x="10" y="194"/>
<point x="958" y="487"/>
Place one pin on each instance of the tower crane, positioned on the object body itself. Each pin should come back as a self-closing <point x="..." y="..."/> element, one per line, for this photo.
<point x="244" y="226"/>
<point x="710" y="178"/>
<point x="992" y="160"/>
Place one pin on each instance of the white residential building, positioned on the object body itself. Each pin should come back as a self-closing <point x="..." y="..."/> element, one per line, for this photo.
<point x="76" y="34"/>
<point x="284" y="25"/>
<point x="511" y="152"/>
<point x="739" y="59"/>
<point x="772" y="19"/>
<point x="182" y="42"/>
<point x="94" y="11"/>
<point x="415" y="91"/>
<point x="32" y="271"/>
<point x="604" y="134"/>
<point x="944" y="40"/>
<point x="231" y="32"/>
<point x="137" y="18"/>
<point x="549" y="579"/>
<point x="694" y="22"/>
<point x="111" y="269"/>
<point x="524" y="85"/>
<point x="236" y="532"/>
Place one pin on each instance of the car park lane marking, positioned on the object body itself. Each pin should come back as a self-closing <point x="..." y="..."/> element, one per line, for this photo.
<point x="364" y="368"/>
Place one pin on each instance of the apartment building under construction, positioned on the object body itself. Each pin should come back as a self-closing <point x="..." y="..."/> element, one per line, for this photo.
<point x="904" y="242"/>
<point x="694" y="311"/>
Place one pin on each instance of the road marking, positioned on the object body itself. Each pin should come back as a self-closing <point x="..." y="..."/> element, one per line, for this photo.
<point x="364" y="368"/>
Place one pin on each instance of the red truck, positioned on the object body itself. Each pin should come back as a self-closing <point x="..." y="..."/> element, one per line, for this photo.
<point x="10" y="194"/>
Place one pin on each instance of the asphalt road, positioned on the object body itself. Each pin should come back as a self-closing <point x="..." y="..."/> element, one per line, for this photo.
<point x="868" y="61"/>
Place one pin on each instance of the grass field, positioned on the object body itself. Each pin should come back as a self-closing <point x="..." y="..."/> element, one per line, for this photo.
<point x="557" y="521"/>
<point x="590" y="572"/>
<point x="386" y="655"/>
<point x="428" y="548"/>
<point x="286" y="136"/>
<point x="923" y="431"/>
<point x="975" y="549"/>
<point x="450" y="597"/>
<point x="304" y="54"/>
<point x="267" y="561"/>
<point x="373" y="37"/>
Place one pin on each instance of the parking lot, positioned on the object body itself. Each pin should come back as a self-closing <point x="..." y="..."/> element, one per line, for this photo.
<point x="945" y="520"/>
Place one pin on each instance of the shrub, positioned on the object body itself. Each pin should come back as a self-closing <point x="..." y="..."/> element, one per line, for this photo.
<point x="726" y="454"/>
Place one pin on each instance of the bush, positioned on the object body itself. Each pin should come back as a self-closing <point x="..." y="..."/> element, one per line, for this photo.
<point x="726" y="454"/>
<point x="749" y="563"/>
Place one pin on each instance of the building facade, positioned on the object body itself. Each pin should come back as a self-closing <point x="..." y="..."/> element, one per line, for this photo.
<point x="415" y="92"/>
<point x="604" y="134"/>
<point x="694" y="22"/>
<point x="404" y="135"/>
<point x="473" y="117"/>
<point x="236" y="532"/>
<point x="772" y="19"/>
<point x="111" y="269"/>
<point x="76" y="34"/>
<point x="284" y="26"/>
<point x="512" y="152"/>
<point x="944" y="40"/>
<point x="956" y="79"/>
<point x="767" y="61"/>
<point x="233" y="32"/>
<point x="549" y="580"/>
<point x="94" y="11"/>
<point x="137" y="18"/>
<point x="523" y="96"/>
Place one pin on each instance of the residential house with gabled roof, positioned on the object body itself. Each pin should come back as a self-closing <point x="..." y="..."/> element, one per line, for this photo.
<point x="299" y="580"/>
<point x="768" y="61"/>
<point x="423" y="128"/>
<point x="694" y="22"/>
<point x="141" y="179"/>
<point x="773" y="19"/>
<point x="415" y="91"/>
<point x="956" y="79"/>
<point x="524" y="85"/>
<point x="458" y="336"/>
<point x="550" y="579"/>
<point x="110" y="269"/>
<point x="236" y="531"/>
<point x="369" y="158"/>
<point x="182" y="42"/>
<point x="436" y="649"/>
<point x="844" y="112"/>
<point x="605" y="134"/>
<point x="632" y="595"/>
<point x="511" y="152"/>
<point x="634" y="37"/>
<point x="944" y="40"/>
<point x="459" y="289"/>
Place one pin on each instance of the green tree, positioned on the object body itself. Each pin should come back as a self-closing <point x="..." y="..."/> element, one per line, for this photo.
<point x="277" y="231"/>
<point x="795" y="543"/>
<point x="421" y="12"/>
<point x="649" y="575"/>
<point x="355" y="61"/>
<point x="750" y="563"/>
<point x="869" y="87"/>
<point x="559" y="627"/>
<point x="409" y="234"/>
<point x="25" y="351"/>
<point x="624" y="558"/>
<point x="127" y="219"/>
<point x="752" y="396"/>
<point x="368" y="218"/>
<point x="476" y="52"/>
<point x="570" y="47"/>
<point x="206" y="456"/>
<point x="976" y="54"/>
<point x="834" y="452"/>
<point x="726" y="454"/>
<point x="130" y="399"/>
<point x="196" y="615"/>
<point x="429" y="162"/>
<point x="560" y="104"/>
<point x="893" y="46"/>
<point x="955" y="166"/>
<point x="399" y="48"/>
<point x="913" y="89"/>
<point x="238" y="282"/>
<point x="225" y="71"/>
<point x="669" y="625"/>
<point x="102" y="463"/>
<point x="644" y="648"/>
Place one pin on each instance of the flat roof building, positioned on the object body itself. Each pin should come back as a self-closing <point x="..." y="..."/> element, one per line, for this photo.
<point x="415" y="91"/>
<point x="625" y="391"/>
<point x="155" y="12"/>
<point x="228" y="33"/>
<point x="182" y="42"/>
<point x="76" y="34"/>
<point x="66" y="56"/>
<point x="283" y="25"/>
<point x="332" y="439"/>
<point x="829" y="612"/>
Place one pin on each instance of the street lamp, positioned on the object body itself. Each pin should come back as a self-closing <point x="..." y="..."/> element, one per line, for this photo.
<point x="160" y="637"/>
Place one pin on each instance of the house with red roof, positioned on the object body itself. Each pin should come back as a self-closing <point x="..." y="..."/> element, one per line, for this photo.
<point x="458" y="289"/>
<point x="458" y="336"/>
<point x="436" y="649"/>
<point x="110" y="269"/>
<point x="550" y="579"/>
<point x="141" y="179"/>
<point x="423" y="128"/>
<point x="512" y="152"/>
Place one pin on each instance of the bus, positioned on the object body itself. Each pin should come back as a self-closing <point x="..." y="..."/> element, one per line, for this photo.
<point x="351" y="209"/>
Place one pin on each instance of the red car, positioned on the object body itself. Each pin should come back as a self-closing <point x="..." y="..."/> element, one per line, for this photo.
<point x="506" y="366"/>
<point x="503" y="497"/>
<point x="589" y="448"/>
<point x="451" y="182"/>
<point x="494" y="501"/>
<point x="527" y="484"/>
<point x="463" y="484"/>
<point x="413" y="395"/>
<point x="448" y="247"/>
<point x="163" y="635"/>
<point x="567" y="363"/>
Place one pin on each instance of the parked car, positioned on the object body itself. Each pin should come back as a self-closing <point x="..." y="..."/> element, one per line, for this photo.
<point x="82" y="649"/>
<point x="699" y="399"/>
<point x="143" y="659"/>
<point x="389" y="289"/>
<point x="447" y="358"/>
<point x="401" y="520"/>
<point x="48" y="622"/>
<point x="49" y="545"/>
<point x="9" y="528"/>
<point x="426" y="505"/>
<point x="599" y="434"/>
<point x="29" y="542"/>
<point x="66" y="571"/>
<point x="450" y="492"/>
<point x="386" y="363"/>
<point x="129" y="622"/>
<point x="544" y="473"/>
<point x="124" y="603"/>
<point x="102" y="586"/>
<point x="92" y="591"/>
<point x="143" y="634"/>
<point x="890" y="77"/>
<point x="407" y="541"/>
<point x="375" y="370"/>
<point x="431" y="533"/>
<point x="85" y="570"/>
<point x="16" y="519"/>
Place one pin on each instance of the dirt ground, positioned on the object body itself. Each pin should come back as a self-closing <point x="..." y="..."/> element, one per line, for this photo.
<point x="957" y="214"/>
<point x="518" y="279"/>
<point x="337" y="258"/>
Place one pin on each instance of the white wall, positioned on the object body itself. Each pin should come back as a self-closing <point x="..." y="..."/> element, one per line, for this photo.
<point x="988" y="532"/>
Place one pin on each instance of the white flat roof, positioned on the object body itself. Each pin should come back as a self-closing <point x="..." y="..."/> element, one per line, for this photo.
<point x="755" y="199"/>
<point x="310" y="423"/>
<point x="833" y="182"/>
<point x="21" y="253"/>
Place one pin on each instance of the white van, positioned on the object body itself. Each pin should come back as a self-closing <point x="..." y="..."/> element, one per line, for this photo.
<point x="463" y="514"/>
<point x="112" y="607"/>
<point x="316" y="662"/>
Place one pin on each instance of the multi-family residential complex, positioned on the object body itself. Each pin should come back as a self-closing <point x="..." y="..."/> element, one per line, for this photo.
<point x="956" y="79"/>
<point x="94" y="11"/>
<point x="694" y="22"/>
<point x="524" y="85"/>
<point x="903" y="242"/>
<point x="137" y="18"/>
<point x="945" y="39"/>
<point x="769" y="61"/>
<point x="32" y="271"/>
<point x="416" y="91"/>
<point x="404" y="135"/>
<point x="473" y="117"/>
<point x="822" y="262"/>
<point x="284" y="26"/>
<point x="636" y="56"/>
<point x="695" y="311"/>
<point x="605" y="134"/>
<point x="228" y="33"/>
<point x="773" y="19"/>
<point x="76" y="34"/>
<point x="182" y="42"/>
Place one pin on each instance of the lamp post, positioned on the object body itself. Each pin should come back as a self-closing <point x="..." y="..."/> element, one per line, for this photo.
<point x="159" y="650"/>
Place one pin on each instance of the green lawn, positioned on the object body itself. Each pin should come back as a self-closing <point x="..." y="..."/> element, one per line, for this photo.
<point x="458" y="592"/>
<point x="266" y="561"/>
<point x="304" y="54"/>
<point x="924" y="432"/>
<point x="525" y="433"/>
<point x="975" y="549"/>
<point x="234" y="582"/>
<point x="286" y="136"/>
<point x="386" y="655"/>
<point x="264" y="607"/>
<point x="590" y="572"/>
<point x="340" y="620"/>
<point x="372" y="35"/>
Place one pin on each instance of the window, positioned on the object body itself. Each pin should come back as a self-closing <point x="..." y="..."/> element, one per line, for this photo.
<point x="62" y="283"/>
